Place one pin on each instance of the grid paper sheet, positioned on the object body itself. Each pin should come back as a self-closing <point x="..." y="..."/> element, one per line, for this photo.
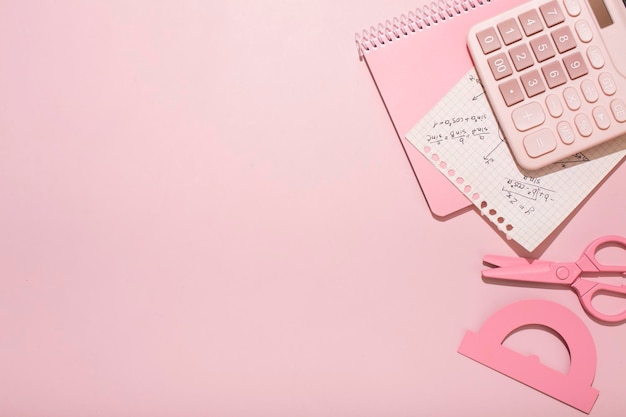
<point x="461" y="137"/>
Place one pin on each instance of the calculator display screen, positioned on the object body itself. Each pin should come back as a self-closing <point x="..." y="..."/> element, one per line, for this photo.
<point x="602" y="14"/>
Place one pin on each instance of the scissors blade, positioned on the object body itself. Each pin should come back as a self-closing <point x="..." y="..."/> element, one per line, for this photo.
<point x="516" y="269"/>
<point x="502" y="261"/>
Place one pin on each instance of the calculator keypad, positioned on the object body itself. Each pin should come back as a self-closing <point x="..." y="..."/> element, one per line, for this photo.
<point x="553" y="76"/>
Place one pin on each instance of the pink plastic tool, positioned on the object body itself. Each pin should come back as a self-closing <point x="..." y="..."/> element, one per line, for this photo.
<point x="577" y="275"/>
<point x="574" y="387"/>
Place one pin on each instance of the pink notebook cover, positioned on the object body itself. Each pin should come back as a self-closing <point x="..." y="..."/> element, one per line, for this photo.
<point x="415" y="59"/>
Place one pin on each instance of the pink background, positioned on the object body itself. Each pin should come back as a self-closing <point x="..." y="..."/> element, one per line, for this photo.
<point x="205" y="212"/>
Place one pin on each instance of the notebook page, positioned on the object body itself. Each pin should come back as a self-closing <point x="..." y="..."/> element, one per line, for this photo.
<point x="395" y="52"/>
<point x="461" y="138"/>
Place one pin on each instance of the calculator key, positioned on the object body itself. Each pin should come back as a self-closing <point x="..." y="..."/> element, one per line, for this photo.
<point x="488" y="40"/>
<point x="509" y="31"/>
<point x="572" y="7"/>
<point x="618" y="108"/>
<point x="575" y="65"/>
<point x="572" y="99"/>
<point x="500" y="66"/>
<point x="528" y="116"/>
<point x="601" y="117"/>
<point x="521" y="57"/>
<point x="533" y="84"/>
<point x="554" y="75"/>
<point x="566" y="133"/>
<point x="531" y="22"/>
<point x="540" y="143"/>
<point x="595" y="57"/>
<point x="542" y="48"/>
<point x="511" y="92"/>
<point x="607" y="84"/>
<point x="590" y="92"/>
<point x="552" y="13"/>
<point x="583" y="125"/>
<point x="583" y="30"/>
<point x="553" y="103"/>
<point x="563" y="39"/>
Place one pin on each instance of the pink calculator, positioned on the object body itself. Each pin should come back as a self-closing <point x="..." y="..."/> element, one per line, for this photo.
<point x="555" y="75"/>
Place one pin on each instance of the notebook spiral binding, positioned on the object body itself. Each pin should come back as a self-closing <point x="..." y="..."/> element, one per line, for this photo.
<point x="415" y="21"/>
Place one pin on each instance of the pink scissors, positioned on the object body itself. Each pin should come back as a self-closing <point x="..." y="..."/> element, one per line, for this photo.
<point x="564" y="273"/>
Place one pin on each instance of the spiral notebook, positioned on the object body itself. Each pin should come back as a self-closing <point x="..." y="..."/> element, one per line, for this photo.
<point x="415" y="59"/>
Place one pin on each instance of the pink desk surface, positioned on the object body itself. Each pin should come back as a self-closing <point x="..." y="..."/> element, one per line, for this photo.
<point x="205" y="212"/>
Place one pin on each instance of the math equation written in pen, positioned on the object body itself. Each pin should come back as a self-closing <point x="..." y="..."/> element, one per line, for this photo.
<point x="462" y="130"/>
<point x="526" y="193"/>
<point x="459" y="129"/>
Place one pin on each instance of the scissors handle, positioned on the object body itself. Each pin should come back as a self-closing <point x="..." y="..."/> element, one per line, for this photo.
<point x="587" y="290"/>
<point x="589" y="262"/>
